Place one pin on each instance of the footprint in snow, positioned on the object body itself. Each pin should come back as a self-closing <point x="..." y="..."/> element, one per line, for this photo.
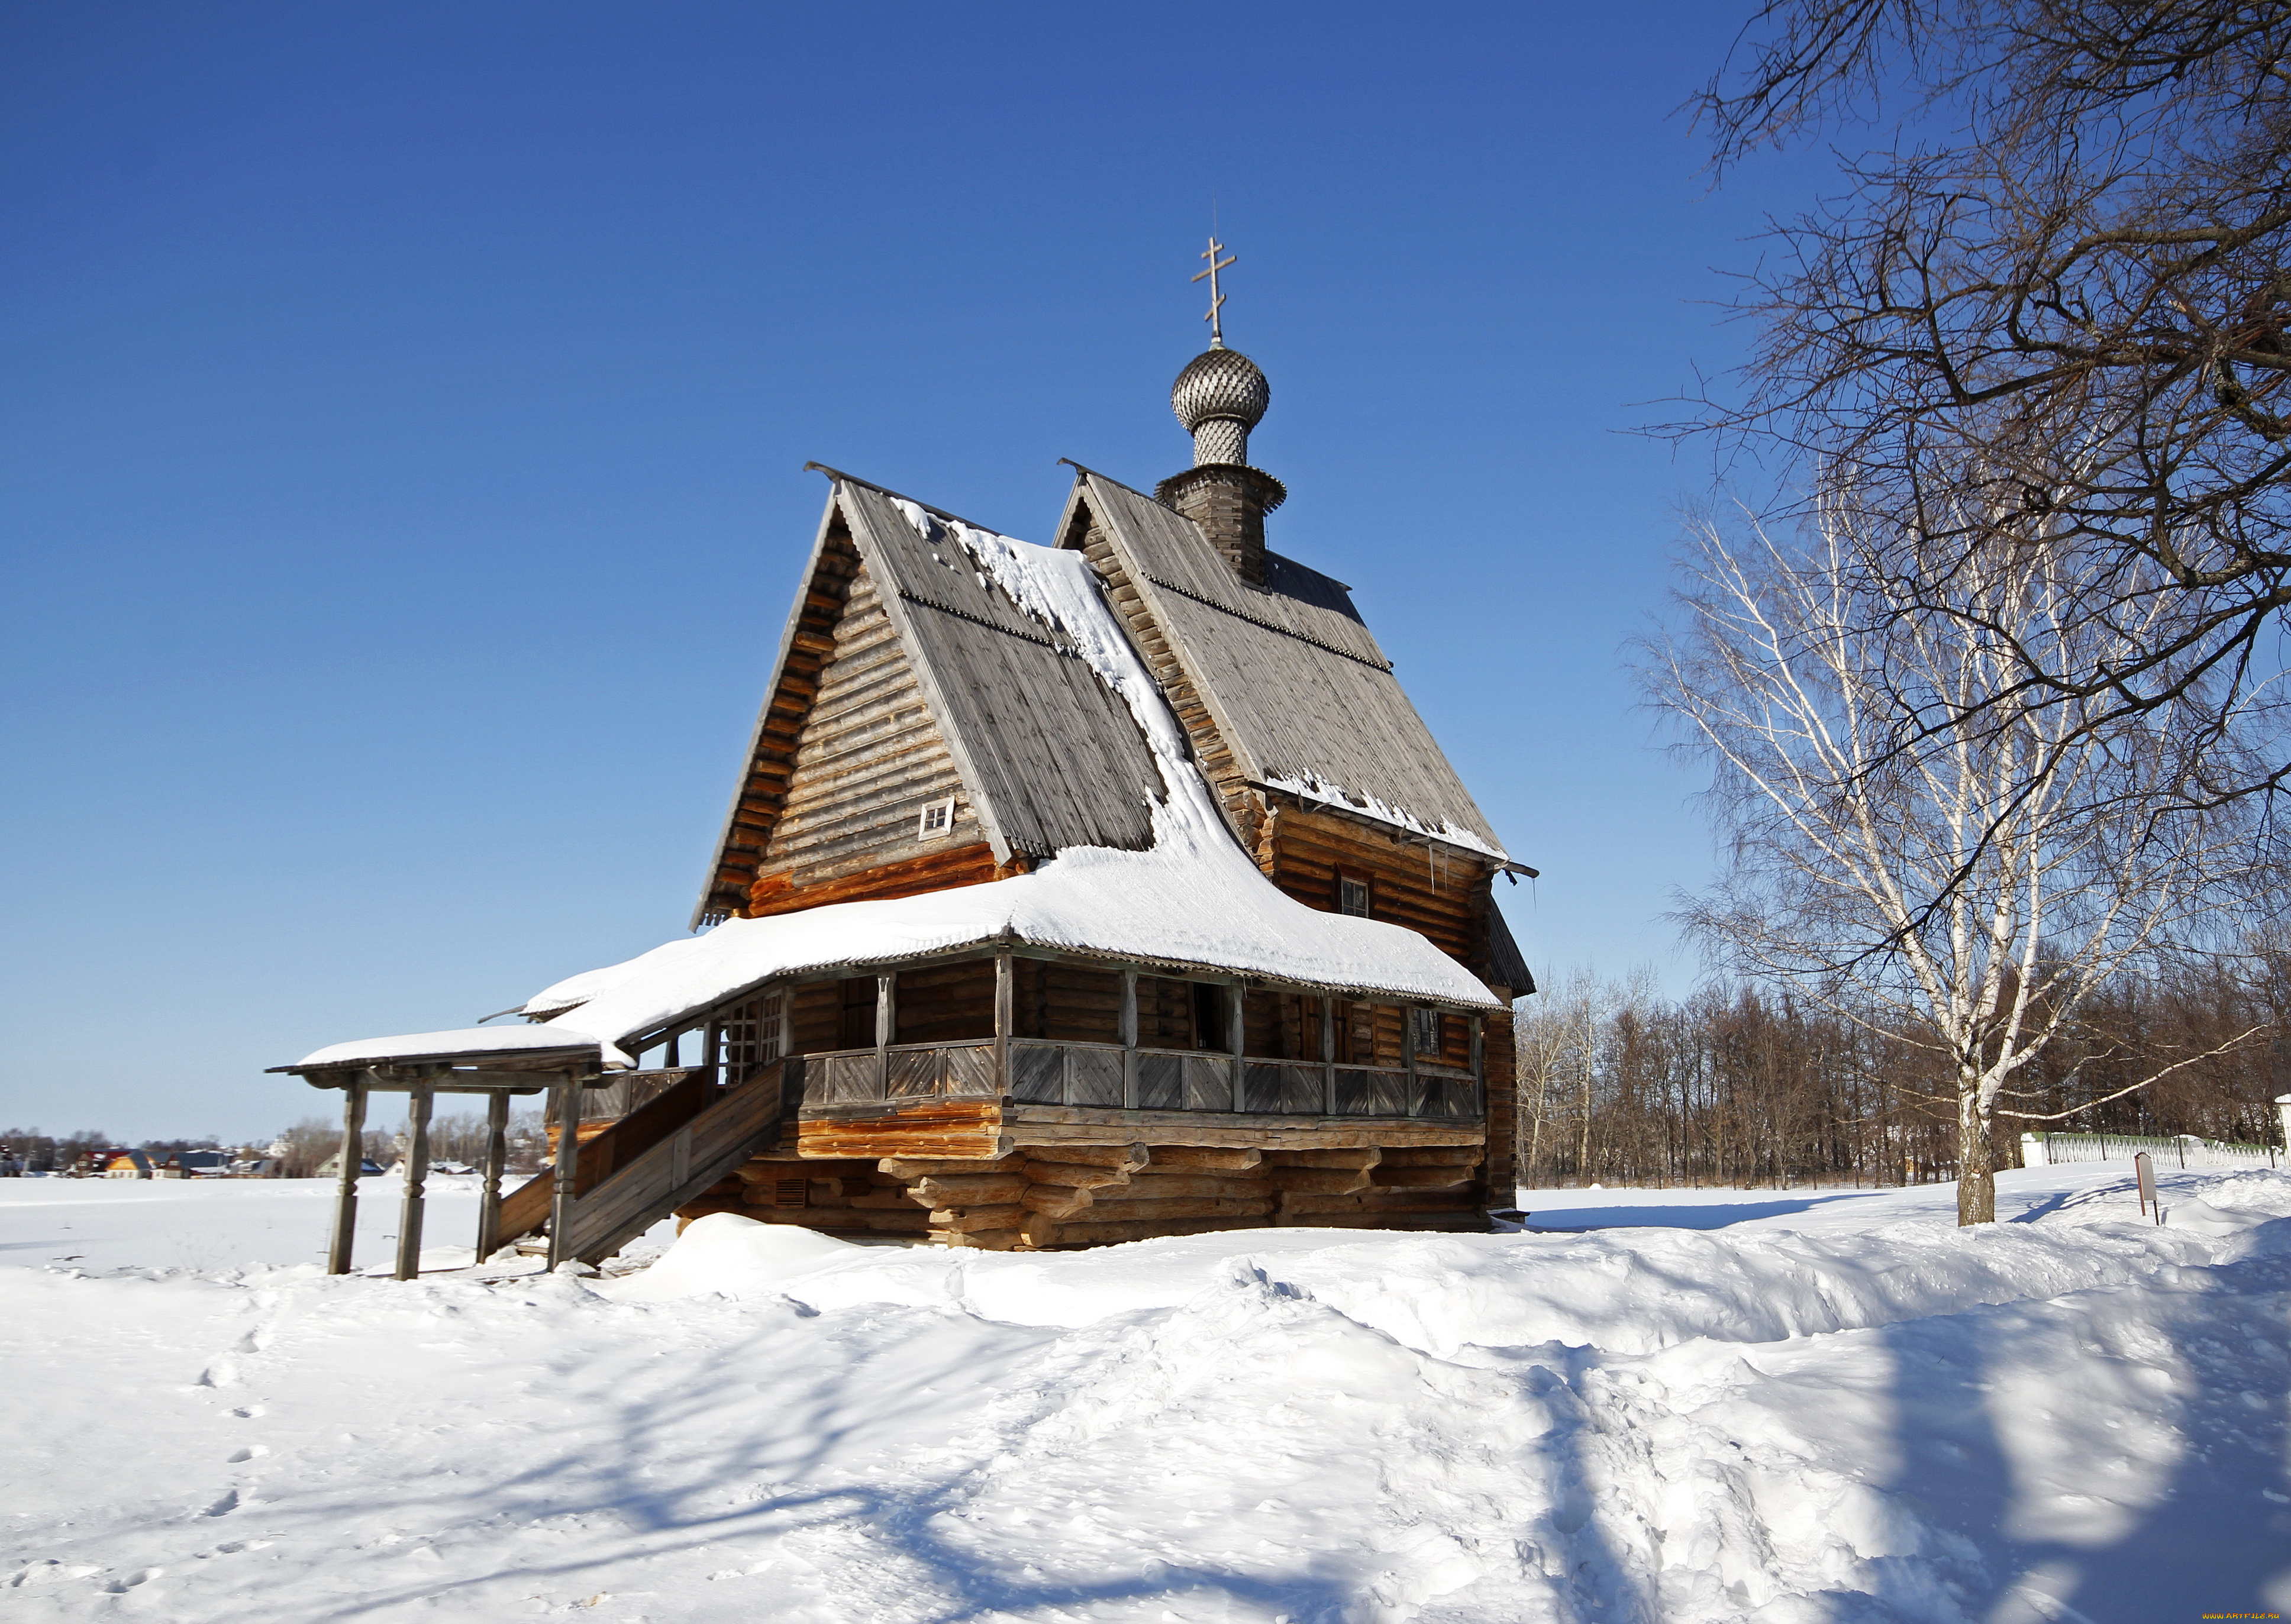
<point x="224" y="1507"/>
<point x="128" y="1582"/>
<point x="239" y="1457"/>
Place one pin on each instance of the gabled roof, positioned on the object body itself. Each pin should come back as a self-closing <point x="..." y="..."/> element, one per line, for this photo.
<point x="1050" y="757"/>
<point x="1297" y="687"/>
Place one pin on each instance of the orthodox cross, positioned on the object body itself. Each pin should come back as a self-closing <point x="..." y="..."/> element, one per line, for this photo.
<point x="1217" y="300"/>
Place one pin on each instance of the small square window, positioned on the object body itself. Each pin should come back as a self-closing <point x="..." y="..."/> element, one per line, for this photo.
<point x="1352" y="897"/>
<point x="937" y="818"/>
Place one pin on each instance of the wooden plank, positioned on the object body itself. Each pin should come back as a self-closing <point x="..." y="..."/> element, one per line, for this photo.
<point x="950" y="1129"/>
<point x="1130" y="1210"/>
<point x="496" y="1156"/>
<point x="970" y="1189"/>
<point x="676" y="1170"/>
<point x="417" y="1172"/>
<point x="1099" y="1233"/>
<point x="568" y="1096"/>
<point x="1182" y="1184"/>
<point x="352" y="1156"/>
<point x="1203" y="1156"/>
<point x="1069" y="1125"/>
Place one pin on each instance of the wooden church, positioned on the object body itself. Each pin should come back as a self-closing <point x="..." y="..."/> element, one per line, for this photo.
<point x="1069" y="894"/>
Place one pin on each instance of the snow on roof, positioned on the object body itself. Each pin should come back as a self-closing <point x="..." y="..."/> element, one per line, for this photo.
<point x="1311" y="787"/>
<point x="461" y="1041"/>
<point x="1192" y="899"/>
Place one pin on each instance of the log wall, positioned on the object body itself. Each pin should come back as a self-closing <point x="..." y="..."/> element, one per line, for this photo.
<point x="945" y="1003"/>
<point x="1071" y="1003"/>
<point x="1062" y="1195"/>
<point x="1168" y="1014"/>
<point x="1502" y="1060"/>
<point x="865" y="760"/>
<point x="1442" y="898"/>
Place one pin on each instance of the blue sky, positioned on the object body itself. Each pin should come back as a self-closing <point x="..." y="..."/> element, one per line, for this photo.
<point x="402" y="413"/>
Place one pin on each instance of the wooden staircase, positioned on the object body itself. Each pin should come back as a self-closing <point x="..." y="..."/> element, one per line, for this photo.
<point x="660" y="1156"/>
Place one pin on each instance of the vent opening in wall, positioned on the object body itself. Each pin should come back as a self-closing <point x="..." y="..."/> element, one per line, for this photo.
<point x="937" y="817"/>
<point x="790" y="1193"/>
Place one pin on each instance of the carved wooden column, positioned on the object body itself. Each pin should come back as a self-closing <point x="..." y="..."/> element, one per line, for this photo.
<point x="489" y="1194"/>
<point x="1129" y="1040"/>
<point x="353" y="1157"/>
<point x="568" y="1166"/>
<point x="1005" y="1001"/>
<point x="887" y="1026"/>
<point x="418" y="1105"/>
<point x="1236" y="1036"/>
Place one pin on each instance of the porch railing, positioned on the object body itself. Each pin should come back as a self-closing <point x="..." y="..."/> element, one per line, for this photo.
<point x="1101" y="1075"/>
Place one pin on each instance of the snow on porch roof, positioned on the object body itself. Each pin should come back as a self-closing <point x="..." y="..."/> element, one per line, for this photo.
<point x="518" y="1043"/>
<point x="1182" y="906"/>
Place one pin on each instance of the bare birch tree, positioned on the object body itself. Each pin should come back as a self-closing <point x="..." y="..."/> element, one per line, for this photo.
<point x="2053" y="287"/>
<point x="1971" y="890"/>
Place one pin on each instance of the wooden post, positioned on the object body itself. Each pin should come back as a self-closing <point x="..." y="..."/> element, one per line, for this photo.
<point x="1129" y="1040"/>
<point x="352" y="1156"/>
<point x="1408" y="1027"/>
<point x="887" y="1026"/>
<point x="712" y="1053"/>
<point x="496" y="1154"/>
<point x="417" y="1172"/>
<point x="1329" y="1052"/>
<point x="1005" y="1001"/>
<point x="1480" y="1063"/>
<point x="672" y="1056"/>
<point x="568" y="1163"/>
<point x="1236" y="1034"/>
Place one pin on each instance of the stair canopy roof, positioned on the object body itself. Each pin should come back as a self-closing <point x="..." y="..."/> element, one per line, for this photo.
<point x="508" y="1049"/>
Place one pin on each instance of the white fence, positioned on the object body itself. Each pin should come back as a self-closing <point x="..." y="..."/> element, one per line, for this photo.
<point x="2184" y="1150"/>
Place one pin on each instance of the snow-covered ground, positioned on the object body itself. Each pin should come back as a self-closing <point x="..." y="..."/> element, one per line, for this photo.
<point x="1781" y="1406"/>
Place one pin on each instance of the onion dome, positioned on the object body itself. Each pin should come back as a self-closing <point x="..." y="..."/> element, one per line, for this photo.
<point x="1219" y="398"/>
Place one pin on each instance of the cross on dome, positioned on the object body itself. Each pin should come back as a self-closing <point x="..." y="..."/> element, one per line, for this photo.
<point x="1217" y="299"/>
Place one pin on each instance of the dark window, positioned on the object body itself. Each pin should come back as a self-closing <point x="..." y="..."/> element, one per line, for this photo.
<point x="1352" y="896"/>
<point x="859" y="1012"/>
<point x="1210" y="1029"/>
<point x="1428" y="1028"/>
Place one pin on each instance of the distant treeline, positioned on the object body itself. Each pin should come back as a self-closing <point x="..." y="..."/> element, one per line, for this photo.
<point x="459" y="1137"/>
<point x="47" y="1152"/>
<point x="299" y="1151"/>
<point x="1742" y="1086"/>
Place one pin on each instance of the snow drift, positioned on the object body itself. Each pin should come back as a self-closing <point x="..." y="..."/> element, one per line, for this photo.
<point x="1851" y="1410"/>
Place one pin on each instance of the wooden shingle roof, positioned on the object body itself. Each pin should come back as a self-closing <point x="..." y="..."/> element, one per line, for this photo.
<point x="1050" y="757"/>
<point x="1299" y="689"/>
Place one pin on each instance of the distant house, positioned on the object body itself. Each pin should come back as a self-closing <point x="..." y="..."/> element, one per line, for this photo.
<point x="125" y="1164"/>
<point x="332" y="1167"/>
<point x="201" y="1164"/>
